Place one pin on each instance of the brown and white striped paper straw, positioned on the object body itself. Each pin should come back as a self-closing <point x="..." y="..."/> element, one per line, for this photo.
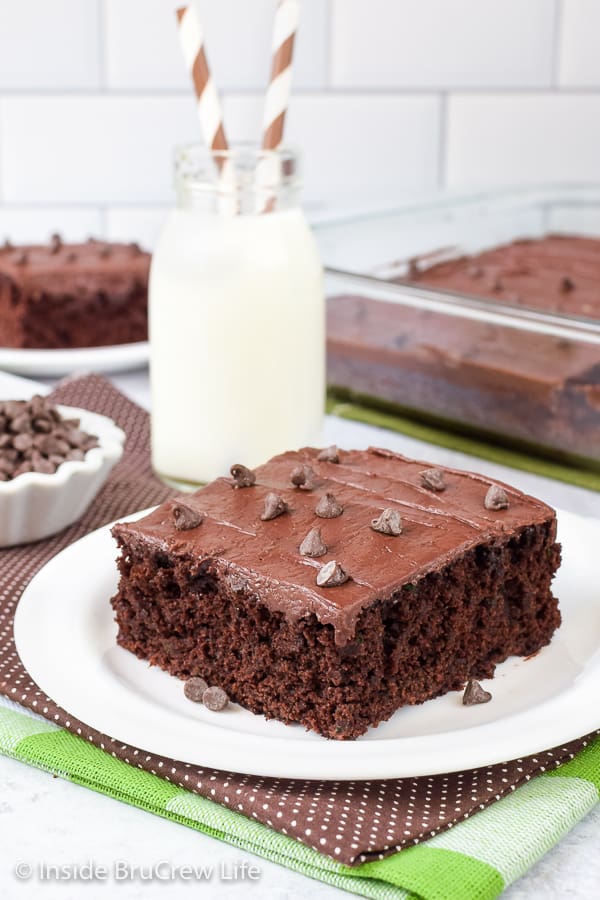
<point x="210" y="113"/>
<point x="191" y="38"/>
<point x="277" y="100"/>
<point x="280" y="84"/>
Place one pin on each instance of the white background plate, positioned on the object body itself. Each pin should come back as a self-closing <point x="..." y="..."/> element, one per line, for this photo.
<point x="55" y="363"/>
<point x="65" y="635"/>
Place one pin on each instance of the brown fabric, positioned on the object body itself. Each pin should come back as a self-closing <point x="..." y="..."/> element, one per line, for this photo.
<point x="349" y="821"/>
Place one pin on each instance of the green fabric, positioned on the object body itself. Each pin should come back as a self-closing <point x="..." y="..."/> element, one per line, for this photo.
<point x="585" y="766"/>
<point x="438" y="874"/>
<point x="475" y="860"/>
<point x="392" y="420"/>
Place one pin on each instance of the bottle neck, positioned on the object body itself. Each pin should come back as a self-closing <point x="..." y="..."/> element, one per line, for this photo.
<point x="244" y="180"/>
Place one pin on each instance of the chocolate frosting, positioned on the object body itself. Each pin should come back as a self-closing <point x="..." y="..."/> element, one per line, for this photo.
<point x="58" y="268"/>
<point x="264" y="557"/>
<point x="556" y="273"/>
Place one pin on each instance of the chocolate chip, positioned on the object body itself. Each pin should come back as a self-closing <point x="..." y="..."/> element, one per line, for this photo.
<point x="194" y="689"/>
<point x="42" y="423"/>
<point x="313" y="544"/>
<point x="433" y="480"/>
<point x="135" y="248"/>
<point x="105" y="251"/>
<point x="389" y="522"/>
<point x="20" y="424"/>
<point x="12" y="408"/>
<point x="22" y="259"/>
<point x="274" y="506"/>
<point x="24" y="468"/>
<point x="497" y="285"/>
<point x="329" y="454"/>
<point x="185" y="518"/>
<point x="53" y="446"/>
<point x="562" y="343"/>
<point x="304" y="477"/>
<point x="43" y="466"/>
<point x="55" y="243"/>
<point x="38" y="405"/>
<point x="71" y="257"/>
<point x="331" y="574"/>
<point x="215" y="699"/>
<point x="328" y="507"/>
<point x="23" y="442"/>
<point x="242" y="476"/>
<point x="475" y="694"/>
<point x="8" y="245"/>
<point x="567" y="285"/>
<point x="496" y="498"/>
<point x="41" y="426"/>
<point x="76" y="437"/>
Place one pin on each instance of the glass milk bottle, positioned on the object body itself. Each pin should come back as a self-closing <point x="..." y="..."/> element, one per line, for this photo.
<point x="237" y="330"/>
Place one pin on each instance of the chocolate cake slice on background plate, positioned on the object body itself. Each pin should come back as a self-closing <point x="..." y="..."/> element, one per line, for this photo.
<point x="59" y="295"/>
<point x="330" y="588"/>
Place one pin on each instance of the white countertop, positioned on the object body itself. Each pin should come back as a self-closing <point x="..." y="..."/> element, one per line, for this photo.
<point x="48" y="819"/>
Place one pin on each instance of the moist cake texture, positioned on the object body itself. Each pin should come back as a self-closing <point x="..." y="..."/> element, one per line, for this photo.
<point x="233" y="600"/>
<point x="73" y="295"/>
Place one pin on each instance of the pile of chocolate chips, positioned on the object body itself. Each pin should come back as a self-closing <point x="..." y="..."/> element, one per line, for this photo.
<point x="34" y="437"/>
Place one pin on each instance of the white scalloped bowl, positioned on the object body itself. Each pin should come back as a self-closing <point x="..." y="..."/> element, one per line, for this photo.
<point x="34" y="506"/>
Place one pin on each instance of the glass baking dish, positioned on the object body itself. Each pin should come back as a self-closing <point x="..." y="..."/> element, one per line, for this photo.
<point x="508" y="371"/>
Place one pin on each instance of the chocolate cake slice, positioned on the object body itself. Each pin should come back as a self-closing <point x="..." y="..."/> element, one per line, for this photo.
<point x="73" y="295"/>
<point x="337" y="586"/>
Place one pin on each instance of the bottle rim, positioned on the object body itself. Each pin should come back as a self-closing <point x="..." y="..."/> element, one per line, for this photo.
<point x="243" y="165"/>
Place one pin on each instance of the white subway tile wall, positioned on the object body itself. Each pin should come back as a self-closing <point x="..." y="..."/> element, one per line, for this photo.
<point x="580" y="44"/>
<point x="442" y="43"/>
<point x="50" y="46"/>
<point x="392" y="97"/>
<point x="370" y="145"/>
<point x="97" y="149"/>
<point x="238" y="35"/>
<point x="534" y="138"/>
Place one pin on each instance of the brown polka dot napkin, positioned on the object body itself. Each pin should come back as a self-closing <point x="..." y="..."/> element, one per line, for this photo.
<point x="349" y="821"/>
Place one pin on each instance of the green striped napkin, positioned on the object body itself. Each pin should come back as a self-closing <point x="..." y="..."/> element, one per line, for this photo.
<point x="475" y="860"/>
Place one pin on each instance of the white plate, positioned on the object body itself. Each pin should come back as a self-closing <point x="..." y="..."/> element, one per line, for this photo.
<point x="65" y="635"/>
<point x="13" y="387"/>
<point x="120" y="358"/>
